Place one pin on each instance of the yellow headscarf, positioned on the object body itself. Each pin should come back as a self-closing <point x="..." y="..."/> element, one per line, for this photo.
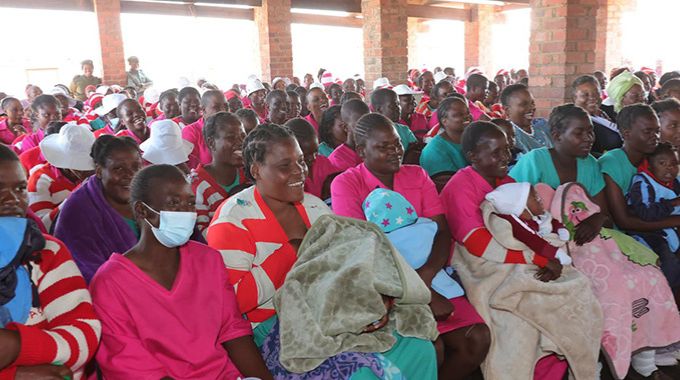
<point x="619" y="86"/>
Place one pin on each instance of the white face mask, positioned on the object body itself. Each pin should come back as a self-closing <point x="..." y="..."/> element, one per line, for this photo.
<point x="175" y="227"/>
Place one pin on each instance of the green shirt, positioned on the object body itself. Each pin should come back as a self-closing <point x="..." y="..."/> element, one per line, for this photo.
<point x="441" y="155"/>
<point x="537" y="166"/>
<point x="233" y="184"/>
<point x="407" y="137"/>
<point x="325" y="149"/>
<point x="133" y="226"/>
<point x="618" y="167"/>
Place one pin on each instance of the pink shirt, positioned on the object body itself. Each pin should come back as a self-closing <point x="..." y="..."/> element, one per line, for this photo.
<point x="434" y="119"/>
<point x="321" y="170"/>
<point x="461" y="198"/>
<point x="350" y="189"/>
<point x="475" y="111"/>
<point x="193" y="133"/>
<point x="310" y="118"/>
<point x="418" y="124"/>
<point x="6" y="135"/>
<point x="32" y="140"/>
<point x="128" y="133"/>
<point x="150" y="332"/>
<point x="344" y="157"/>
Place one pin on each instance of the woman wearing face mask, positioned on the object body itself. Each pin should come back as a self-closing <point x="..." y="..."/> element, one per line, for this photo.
<point x="97" y="219"/>
<point x="68" y="164"/>
<point x="258" y="230"/>
<point x="149" y="297"/>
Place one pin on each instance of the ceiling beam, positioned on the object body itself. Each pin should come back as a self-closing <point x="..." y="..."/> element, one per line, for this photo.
<point x="442" y="13"/>
<point x="351" y="21"/>
<point x="61" y="5"/>
<point x="185" y="10"/>
<point x="351" y="6"/>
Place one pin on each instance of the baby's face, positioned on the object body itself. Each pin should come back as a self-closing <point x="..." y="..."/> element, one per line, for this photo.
<point x="664" y="166"/>
<point x="535" y="203"/>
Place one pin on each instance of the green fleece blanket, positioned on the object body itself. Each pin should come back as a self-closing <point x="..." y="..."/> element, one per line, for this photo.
<point x="335" y="290"/>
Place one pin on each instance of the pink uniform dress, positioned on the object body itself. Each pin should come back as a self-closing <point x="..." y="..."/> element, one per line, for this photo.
<point x="310" y="118"/>
<point x="129" y="133"/>
<point x="344" y="157"/>
<point x="350" y="189"/>
<point x="475" y="111"/>
<point x="461" y="199"/>
<point x="194" y="134"/>
<point x="6" y="135"/>
<point x="150" y="332"/>
<point x="27" y="142"/>
<point x="321" y="169"/>
<point x="418" y="125"/>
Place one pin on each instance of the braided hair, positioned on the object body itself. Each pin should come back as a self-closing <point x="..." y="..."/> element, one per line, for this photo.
<point x="560" y="117"/>
<point x="367" y="124"/>
<point x="213" y="122"/>
<point x="326" y="125"/>
<point x="258" y="142"/>
<point x="475" y="132"/>
<point x="105" y="145"/>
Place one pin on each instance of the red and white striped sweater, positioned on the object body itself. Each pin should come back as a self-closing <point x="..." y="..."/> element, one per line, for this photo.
<point x="47" y="189"/>
<point x="209" y="195"/>
<point x="64" y="329"/>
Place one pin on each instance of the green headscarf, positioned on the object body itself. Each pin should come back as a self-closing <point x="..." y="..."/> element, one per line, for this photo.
<point x="619" y="86"/>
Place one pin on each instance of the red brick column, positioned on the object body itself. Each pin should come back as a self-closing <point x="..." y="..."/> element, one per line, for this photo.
<point x="273" y="20"/>
<point x="111" y="41"/>
<point x="385" y="40"/>
<point x="563" y="42"/>
<point x="478" y="38"/>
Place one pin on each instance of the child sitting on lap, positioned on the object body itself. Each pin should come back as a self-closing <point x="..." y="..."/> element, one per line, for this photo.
<point x="521" y="206"/>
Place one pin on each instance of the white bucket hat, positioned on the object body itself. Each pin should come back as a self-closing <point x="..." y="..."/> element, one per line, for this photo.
<point x="381" y="83"/>
<point x="317" y="85"/>
<point x="102" y="90"/>
<point x="440" y="76"/>
<point x="70" y="148"/>
<point x="403" y="89"/>
<point x="253" y="85"/>
<point x="511" y="198"/>
<point x="109" y="103"/>
<point x="165" y="144"/>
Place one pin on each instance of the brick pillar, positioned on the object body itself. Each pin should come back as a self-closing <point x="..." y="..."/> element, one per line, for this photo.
<point x="562" y="47"/>
<point x="478" y="38"/>
<point x="385" y="40"/>
<point x="273" y="20"/>
<point x="111" y="41"/>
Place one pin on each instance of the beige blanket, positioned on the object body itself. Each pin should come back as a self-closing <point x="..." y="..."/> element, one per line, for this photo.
<point x="530" y="319"/>
<point x="334" y="290"/>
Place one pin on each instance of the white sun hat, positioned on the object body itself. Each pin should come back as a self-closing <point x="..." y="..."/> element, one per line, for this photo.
<point x="381" y="83"/>
<point x="165" y="145"/>
<point x="403" y="89"/>
<point x="253" y="85"/>
<point x="70" y="148"/>
<point x="109" y="103"/>
<point x="102" y="90"/>
<point x="440" y="76"/>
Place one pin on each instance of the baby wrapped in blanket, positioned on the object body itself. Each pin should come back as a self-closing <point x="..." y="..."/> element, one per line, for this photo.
<point x="521" y="206"/>
<point x="411" y="236"/>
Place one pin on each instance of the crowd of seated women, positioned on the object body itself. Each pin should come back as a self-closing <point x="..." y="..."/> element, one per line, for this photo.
<point x="325" y="230"/>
